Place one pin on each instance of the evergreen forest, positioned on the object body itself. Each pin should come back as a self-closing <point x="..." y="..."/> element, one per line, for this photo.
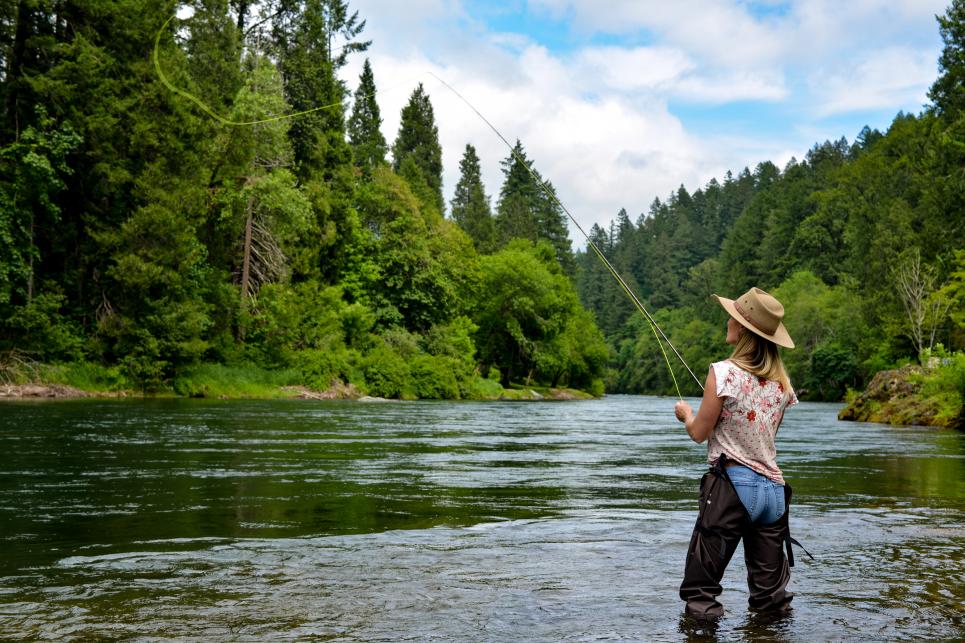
<point x="147" y="245"/>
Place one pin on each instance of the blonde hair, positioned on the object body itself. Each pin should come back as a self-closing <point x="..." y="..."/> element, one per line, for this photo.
<point x="760" y="357"/>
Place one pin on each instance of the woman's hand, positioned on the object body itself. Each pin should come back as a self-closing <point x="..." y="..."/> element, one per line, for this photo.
<point x="700" y="426"/>
<point x="683" y="411"/>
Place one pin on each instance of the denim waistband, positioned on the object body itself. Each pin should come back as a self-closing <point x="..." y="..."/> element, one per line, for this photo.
<point x="743" y="472"/>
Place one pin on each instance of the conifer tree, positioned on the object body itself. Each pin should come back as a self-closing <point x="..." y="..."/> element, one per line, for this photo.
<point x="304" y="34"/>
<point x="470" y="205"/>
<point x="948" y="91"/>
<point x="552" y="226"/>
<point x="368" y="144"/>
<point x="528" y="211"/>
<point x="418" y="140"/>
<point x="515" y="217"/>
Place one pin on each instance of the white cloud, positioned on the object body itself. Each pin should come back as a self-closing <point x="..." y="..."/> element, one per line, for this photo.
<point x="633" y="69"/>
<point x="597" y="120"/>
<point x="876" y="80"/>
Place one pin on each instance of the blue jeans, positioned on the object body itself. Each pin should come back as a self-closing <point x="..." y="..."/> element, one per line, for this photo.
<point x="763" y="498"/>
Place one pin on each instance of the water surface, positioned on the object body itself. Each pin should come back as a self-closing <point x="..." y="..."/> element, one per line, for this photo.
<point x="441" y="520"/>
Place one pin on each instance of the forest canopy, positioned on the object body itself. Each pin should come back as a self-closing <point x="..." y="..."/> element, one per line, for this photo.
<point x="147" y="245"/>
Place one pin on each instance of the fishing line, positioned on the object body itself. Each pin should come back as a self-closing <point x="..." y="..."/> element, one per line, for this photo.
<point x="654" y="327"/>
<point x="218" y="117"/>
<point x="599" y="253"/>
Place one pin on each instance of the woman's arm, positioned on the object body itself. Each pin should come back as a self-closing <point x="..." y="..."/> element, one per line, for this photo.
<point x="700" y="426"/>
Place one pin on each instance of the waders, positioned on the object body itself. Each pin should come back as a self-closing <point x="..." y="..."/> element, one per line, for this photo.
<point x="721" y="523"/>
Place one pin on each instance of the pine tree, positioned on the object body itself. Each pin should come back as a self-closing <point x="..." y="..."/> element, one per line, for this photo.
<point x="552" y="226"/>
<point x="948" y="91"/>
<point x="528" y="208"/>
<point x="470" y="205"/>
<point x="515" y="217"/>
<point x="418" y="140"/>
<point x="304" y="35"/>
<point x="368" y="144"/>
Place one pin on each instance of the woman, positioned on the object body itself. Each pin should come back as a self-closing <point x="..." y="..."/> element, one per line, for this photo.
<point x="744" y="494"/>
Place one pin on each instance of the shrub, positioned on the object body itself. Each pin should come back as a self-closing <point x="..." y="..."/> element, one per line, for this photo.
<point x="320" y="368"/>
<point x="832" y="371"/>
<point x="434" y="377"/>
<point x="386" y="372"/>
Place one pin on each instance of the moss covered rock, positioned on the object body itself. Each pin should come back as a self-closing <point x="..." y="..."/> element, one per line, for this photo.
<point x="897" y="397"/>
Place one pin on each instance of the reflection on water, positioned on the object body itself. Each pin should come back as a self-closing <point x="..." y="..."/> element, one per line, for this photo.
<point x="502" y="521"/>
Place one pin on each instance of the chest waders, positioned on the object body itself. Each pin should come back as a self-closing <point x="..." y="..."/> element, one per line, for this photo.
<point x="722" y="522"/>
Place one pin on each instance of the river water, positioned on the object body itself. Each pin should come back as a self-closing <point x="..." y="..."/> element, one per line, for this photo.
<point x="257" y="520"/>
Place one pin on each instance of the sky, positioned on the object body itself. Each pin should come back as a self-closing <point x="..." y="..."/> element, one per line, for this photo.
<point x="619" y="102"/>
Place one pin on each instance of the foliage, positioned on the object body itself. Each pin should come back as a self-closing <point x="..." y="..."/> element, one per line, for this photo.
<point x="368" y="144"/>
<point x="528" y="209"/>
<point x="946" y="385"/>
<point x="948" y="91"/>
<point x="531" y="326"/>
<point x="418" y="142"/>
<point x="33" y="169"/>
<point x="220" y="380"/>
<point x="470" y="205"/>
<point x="173" y="253"/>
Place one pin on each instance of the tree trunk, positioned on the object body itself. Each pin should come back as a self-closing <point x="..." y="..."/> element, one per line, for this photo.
<point x="15" y="64"/>
<point x="246" y="264"/>
<point x="30" y="264"/>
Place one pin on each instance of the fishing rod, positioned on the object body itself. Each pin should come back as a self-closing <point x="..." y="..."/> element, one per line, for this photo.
<point x="654" y="327"/>
<point x="596" y="249"/>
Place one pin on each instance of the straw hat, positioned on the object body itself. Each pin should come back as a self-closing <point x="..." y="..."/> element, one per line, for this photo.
<point x="759" y="313"/>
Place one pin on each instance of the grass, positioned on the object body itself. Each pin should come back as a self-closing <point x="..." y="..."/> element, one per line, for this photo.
<point x="221" y="381"/>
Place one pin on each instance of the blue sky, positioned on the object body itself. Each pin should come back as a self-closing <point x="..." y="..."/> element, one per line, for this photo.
<point x="620" y="102"/>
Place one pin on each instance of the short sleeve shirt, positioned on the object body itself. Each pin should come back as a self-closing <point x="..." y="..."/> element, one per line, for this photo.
<point x="749" y="418"/>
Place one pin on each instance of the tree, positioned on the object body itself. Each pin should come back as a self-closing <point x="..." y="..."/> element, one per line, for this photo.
<point x="947" y="93"/>
<point x="423" y="269"/>
<point x="529" y="209"/>
<point x="925" y="308"/>
<point x="368" y="144"/>
<point x="274" y="212"/>
<point x="418" y="140"/>
<point x="33" y="169"/>
<point x="470" y="205"/>
<point x="304" y="33"/>
<point x="528" y="318"/>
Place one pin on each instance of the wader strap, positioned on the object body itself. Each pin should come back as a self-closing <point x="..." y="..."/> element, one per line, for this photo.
<point x="790" y="554"/>
<point x="719" y="472"/>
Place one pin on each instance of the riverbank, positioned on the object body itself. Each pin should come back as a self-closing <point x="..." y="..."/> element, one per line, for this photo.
<point x="912" y="395"/>
<point x="216" y="381"/>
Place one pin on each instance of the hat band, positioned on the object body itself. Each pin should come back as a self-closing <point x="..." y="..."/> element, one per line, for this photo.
<point x="752" y="321"/>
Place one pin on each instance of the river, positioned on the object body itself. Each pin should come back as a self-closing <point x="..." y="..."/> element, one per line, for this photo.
<point x="275" y="520"/>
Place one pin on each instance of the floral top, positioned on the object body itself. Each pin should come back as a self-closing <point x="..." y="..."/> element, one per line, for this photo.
<point x="751" y="414"/>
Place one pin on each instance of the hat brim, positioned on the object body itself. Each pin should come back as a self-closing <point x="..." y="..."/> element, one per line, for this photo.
<point x="780" y="336"/>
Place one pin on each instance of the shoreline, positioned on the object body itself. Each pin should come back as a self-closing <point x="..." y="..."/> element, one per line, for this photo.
<point x="337" y="392"/>
<point x="899" y="397"/>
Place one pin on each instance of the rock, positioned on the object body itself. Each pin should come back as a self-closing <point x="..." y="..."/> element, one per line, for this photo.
<point x="337" y="391"/>
<point x="40" y="391"/>
<point x="894" y="397"/>
<point x="369" y="398"/>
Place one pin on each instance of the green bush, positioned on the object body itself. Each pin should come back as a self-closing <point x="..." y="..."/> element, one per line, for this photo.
<point x="39" y="328"/>
<point x="386" y="373"/>
<point x="946" y="386"/>
<point x="478" y="388"/>
<point x="435" y="378"/>
<point x="89" y="376"/>
<point x="320" y="368"/>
